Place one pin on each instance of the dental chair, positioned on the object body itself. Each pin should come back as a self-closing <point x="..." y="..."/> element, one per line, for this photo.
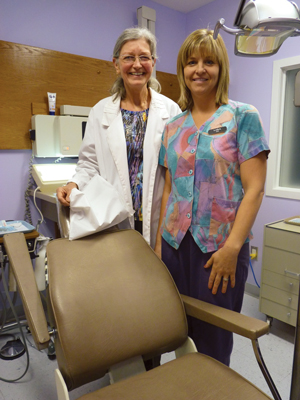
<point x="114" y="304"/>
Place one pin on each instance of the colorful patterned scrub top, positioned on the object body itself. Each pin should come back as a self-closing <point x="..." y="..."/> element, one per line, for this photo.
<point x="135" y="123"/>
<point x="204" y="166"/>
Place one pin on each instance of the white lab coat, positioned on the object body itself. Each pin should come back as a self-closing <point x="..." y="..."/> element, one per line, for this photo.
<point x="103" y="152"/>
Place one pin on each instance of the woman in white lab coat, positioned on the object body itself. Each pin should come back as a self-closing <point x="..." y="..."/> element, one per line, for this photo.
<point x="123" y="134"/>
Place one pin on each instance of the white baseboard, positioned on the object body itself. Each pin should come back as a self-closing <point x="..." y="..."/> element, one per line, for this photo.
<point x="253" y="290"/>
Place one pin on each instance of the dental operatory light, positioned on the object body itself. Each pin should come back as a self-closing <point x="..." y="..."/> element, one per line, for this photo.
<point x="262" y="26"/>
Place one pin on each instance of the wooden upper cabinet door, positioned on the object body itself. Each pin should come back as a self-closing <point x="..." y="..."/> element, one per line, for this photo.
<point x="28" y="73"/>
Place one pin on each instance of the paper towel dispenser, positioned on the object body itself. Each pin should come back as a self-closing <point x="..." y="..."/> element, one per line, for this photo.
<point x="57" y="136"/>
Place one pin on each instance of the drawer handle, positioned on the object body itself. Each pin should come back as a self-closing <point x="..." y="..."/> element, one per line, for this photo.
<point x="288" y="314"/>
<point x="289" y="299"/>
<point x="286" y="271"/>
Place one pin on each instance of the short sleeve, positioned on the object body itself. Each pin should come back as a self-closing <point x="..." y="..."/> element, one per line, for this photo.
<point x="250" y="135"/>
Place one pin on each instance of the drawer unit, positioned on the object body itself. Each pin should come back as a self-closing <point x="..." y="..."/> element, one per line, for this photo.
<point x="289" y="285"/>
<point x="279" y="296"/>
<point x="284" y="314"/>
<point x="280" y="272"/>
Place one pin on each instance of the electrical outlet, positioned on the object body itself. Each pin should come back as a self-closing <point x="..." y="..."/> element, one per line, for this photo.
<point x="254" y="253"/>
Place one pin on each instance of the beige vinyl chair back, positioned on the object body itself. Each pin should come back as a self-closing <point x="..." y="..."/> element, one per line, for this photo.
<point x="119" y="301"/>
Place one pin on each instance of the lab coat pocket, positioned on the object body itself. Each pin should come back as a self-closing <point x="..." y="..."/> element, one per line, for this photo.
<point x="97" y="207"/>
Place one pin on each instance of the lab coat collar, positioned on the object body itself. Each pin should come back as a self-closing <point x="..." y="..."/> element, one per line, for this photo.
<point x="111" y="110"/>
<point x="158" y="105"/>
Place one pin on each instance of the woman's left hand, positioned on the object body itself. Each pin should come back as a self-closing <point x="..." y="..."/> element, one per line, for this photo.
<point x="223" y="266"/>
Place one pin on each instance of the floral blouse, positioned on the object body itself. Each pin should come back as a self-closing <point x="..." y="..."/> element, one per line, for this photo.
<point x="135" y="123"/>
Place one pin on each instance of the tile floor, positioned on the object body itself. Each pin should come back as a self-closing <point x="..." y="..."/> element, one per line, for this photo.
<point x="277" y="350"/>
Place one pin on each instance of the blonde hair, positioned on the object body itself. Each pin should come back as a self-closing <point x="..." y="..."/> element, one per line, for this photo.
<point x="136" y="33"/>
<point x="202" y="41"/>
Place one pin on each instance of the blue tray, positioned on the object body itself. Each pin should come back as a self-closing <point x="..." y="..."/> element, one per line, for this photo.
<point x="15" y="226"/>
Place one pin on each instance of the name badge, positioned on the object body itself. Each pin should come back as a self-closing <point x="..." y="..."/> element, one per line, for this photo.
<point x="215" y="131"/>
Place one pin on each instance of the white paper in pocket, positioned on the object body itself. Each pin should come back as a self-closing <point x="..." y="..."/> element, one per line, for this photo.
<point x="96" y="208"/>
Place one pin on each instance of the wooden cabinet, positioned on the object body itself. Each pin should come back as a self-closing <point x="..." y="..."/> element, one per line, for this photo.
<point x="280" y="272"/>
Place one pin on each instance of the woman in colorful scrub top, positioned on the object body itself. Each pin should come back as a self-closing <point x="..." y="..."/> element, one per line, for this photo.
<point x="215" y="156"/>
<point x="123" y="134"/>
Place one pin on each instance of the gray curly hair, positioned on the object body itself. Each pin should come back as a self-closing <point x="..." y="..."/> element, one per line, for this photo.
<point x="136" y="33"/>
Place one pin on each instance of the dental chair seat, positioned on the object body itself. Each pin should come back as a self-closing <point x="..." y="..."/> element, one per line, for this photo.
<point x="113" y="305"/>
<point x="193" y="376"/>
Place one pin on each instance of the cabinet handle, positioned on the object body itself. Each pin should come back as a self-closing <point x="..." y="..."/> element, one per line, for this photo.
<point x="289" y="299"/>
<point x="288" y="314"/>
<point x="286" y="271"/>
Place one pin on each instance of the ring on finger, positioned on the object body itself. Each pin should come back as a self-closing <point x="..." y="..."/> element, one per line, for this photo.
<point x="225" y="279"/>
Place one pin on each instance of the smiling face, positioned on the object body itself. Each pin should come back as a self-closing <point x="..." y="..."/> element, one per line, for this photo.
<point x="135" y="74"/>
<point x="201" y="76"/>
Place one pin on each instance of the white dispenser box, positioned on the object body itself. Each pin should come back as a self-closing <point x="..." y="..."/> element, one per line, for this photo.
<point x="57" y="136"/>
<point x="78" y="111"/>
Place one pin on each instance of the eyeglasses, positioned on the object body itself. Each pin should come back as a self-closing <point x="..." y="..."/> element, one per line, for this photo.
<point x="143" y="59"/>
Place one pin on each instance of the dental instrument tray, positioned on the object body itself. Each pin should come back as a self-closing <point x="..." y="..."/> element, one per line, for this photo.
<point x="15" y="226"/>
<point x="293" y="220"/>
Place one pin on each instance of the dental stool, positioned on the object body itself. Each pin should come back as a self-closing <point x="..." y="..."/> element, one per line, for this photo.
<point x="110" y="292"/>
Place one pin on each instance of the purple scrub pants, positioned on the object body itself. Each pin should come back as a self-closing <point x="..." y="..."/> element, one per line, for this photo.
<point x="186" y="266"/>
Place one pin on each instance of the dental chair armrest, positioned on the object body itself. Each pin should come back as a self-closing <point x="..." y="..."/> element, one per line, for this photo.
<point x="21" y="265"/>
<point x="232" y="321"/>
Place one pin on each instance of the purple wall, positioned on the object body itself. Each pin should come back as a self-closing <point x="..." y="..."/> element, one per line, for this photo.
<point x="251" y="82"/>
<point x="88" y="28"/>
